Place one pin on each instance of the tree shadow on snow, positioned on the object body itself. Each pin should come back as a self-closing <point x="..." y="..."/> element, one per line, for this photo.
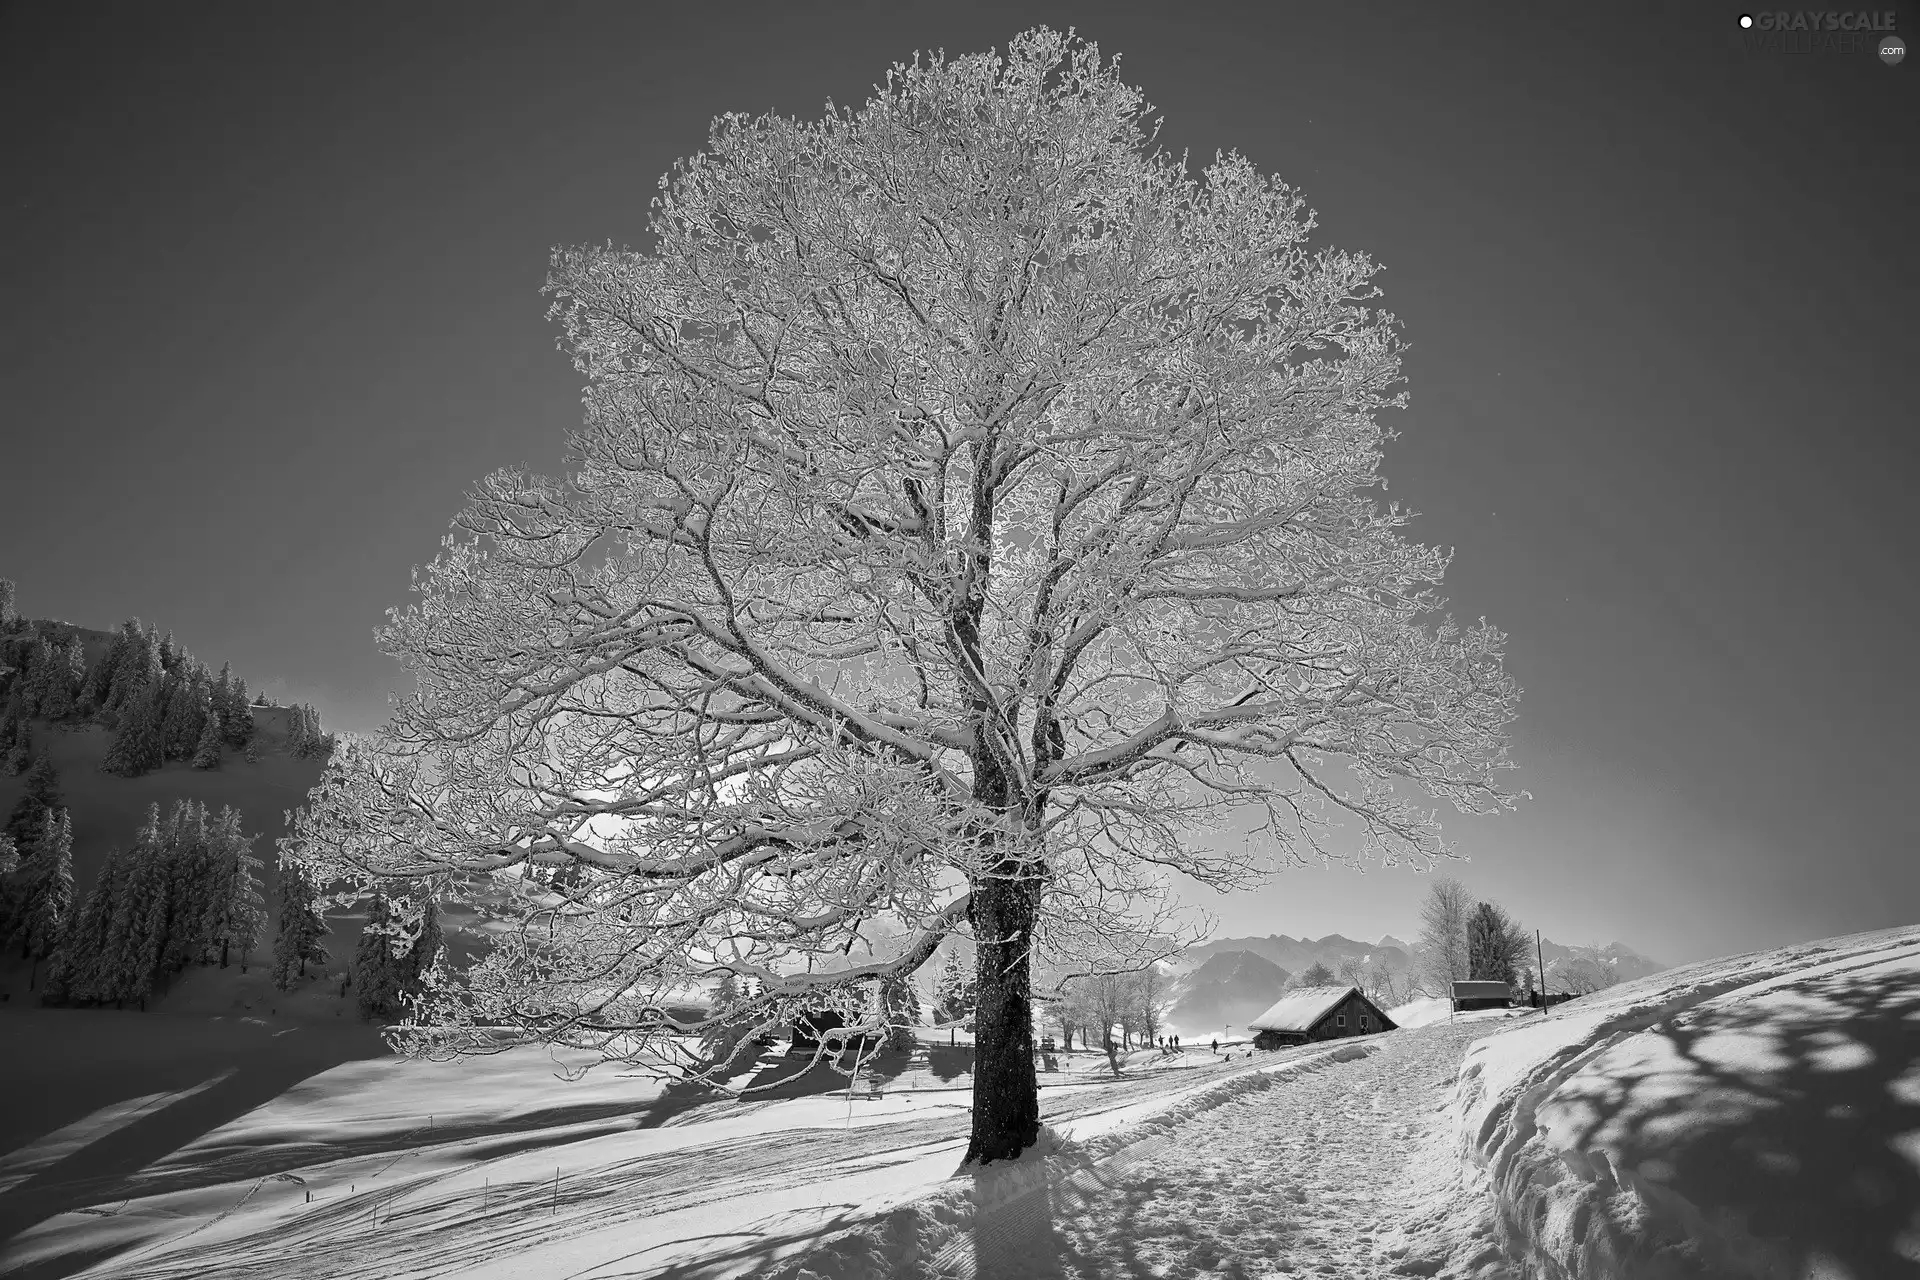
<point x="1766" y="1129"/>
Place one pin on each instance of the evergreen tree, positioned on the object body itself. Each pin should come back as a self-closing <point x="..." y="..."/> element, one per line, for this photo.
<point x="141" y="874"/>
<point x="34" y="678"/>
<point x="9" y="610"/>
<point x="138" y="744"/>
<point x="192" y="889"/>
<point x="900" y="1006"/>
<point x="169" y="654"/>
<point x="60" y="692"/>
<point x="297" y="942"/>
<point x="206" y="751"/>
<point x="42" y="795"/>
<point x="138" y="672"/>
<point x="239" y="916"/>
<point x="383" y="980"/>
<point x="9" y="856"/>
<point x="237" y="720"/>
<point x="49" y="889"/>
<point x="1495" y="945"/>
<point x="186" y="716"/>
<point x="73" y="973"/>
<point x="954" y="1000"/>
<point x="19" y="753"/>
<point x="95" y="691"/>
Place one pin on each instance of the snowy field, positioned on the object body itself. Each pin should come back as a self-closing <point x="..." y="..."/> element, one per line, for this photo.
<point x="1757" y="1116"/>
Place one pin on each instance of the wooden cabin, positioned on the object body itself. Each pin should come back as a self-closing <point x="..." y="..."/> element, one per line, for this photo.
<point x="1318" y="1013"/>
<point x="1481" y="995"/>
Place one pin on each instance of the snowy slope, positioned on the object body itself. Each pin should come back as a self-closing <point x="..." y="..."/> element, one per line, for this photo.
<point x="1753" y="1116"/>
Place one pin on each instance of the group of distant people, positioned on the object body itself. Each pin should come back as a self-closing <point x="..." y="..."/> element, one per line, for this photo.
<point x="1169" y="1042"/>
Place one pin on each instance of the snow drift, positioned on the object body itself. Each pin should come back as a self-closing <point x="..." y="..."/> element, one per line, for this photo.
<point x="1752" y="1116"/>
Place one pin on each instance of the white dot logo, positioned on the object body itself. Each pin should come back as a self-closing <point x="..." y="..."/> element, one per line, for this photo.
<point x="1892" y="50"/>
<point x="1746" y="19"/>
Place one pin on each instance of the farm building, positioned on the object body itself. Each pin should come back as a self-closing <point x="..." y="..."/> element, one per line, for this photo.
<point x="1317" y="1013"/>
<point x="1481" y="995"/>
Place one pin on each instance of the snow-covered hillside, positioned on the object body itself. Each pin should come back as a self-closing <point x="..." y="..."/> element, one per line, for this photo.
<point x="1753" y="1116"/>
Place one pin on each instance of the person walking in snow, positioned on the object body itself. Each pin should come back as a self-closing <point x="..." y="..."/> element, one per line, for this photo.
<point x="1216" y="1044"/>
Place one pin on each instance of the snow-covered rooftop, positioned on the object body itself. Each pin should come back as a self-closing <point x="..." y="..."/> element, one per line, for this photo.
<point x="1299" y="1010"/>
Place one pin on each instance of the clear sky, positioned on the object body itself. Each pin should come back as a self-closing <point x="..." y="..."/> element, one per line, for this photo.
<point x="272" y="284"/>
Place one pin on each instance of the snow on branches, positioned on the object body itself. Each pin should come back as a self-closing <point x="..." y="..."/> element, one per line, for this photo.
<point x="971" y="505"/>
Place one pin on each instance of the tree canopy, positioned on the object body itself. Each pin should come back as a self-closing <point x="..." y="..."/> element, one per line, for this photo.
<point x="972" y="503"/>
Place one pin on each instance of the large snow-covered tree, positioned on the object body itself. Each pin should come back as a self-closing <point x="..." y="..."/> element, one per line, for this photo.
<point x="972" y="502"/>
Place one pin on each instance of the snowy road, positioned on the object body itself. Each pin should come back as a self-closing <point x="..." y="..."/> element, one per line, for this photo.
<point x="1347" y="1169"/>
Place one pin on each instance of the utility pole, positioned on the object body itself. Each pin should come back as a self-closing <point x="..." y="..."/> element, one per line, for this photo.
<point x="1539" y="957"/>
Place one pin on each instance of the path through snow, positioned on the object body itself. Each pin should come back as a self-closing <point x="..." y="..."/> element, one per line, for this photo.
<point x="1347" y="1169"/>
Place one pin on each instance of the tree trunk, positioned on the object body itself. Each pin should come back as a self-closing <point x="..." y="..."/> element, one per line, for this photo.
<point x="1006" y="1090"/>
<point x="223" y="953"/>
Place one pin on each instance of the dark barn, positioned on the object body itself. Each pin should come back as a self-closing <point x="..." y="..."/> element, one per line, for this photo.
<point x="1481" y="995"/>
<point x="1318" y="1013"/>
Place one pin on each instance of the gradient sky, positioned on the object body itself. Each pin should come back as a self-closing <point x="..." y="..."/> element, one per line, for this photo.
<point x="272" y="276"/>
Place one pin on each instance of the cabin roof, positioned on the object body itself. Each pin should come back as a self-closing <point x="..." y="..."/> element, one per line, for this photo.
<point x="1299" y="1010"/>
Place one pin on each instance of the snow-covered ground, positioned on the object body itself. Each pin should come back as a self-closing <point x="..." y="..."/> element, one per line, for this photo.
<point x="1757" y="1116"/>
<point x="1752" y="1116"/>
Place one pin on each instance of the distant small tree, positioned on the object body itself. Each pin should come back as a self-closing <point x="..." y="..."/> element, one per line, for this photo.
<point x="1315" y="975"/>
<point x="955" y="999"/>
<point x="297" y="942"/>
<point x="1148" y="990"/>
<point x="900" y="1008"/>
<point x="1443" y="933"/>
<point x="1495" y="945"/>
<point x="9" y="610"/>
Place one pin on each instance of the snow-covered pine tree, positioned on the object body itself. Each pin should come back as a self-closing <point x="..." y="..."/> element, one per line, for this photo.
<point x="41" y="795"/>
<point x="9" y="855"/>
<point x="94" y="690"/>
<point x="19" y="757"/>
<point x="138" y="745"/>
<point x="74" y="973"/>
<point x="49" y="898"/>
<point x="193" y="893"/>
<point x="34" y="680"/>
<point x="206" y="751"/>
<point x="60" y="692"/>
<point x="139" y="672"/>
<point x="297" y="941"/>
<point x="298" y="742"/>
<point x="9" y="608"/>
<point x="169" y="655"/>
<point x="185" y="717"/>
<point x="236" y="721"/>
<point x="115" y="976"/>
<point x="382" y="980"/>
<point x="241" y="917"/>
